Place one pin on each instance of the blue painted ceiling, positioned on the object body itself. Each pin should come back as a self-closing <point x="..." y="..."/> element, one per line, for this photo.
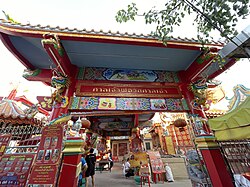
<point x="120" y="56"/>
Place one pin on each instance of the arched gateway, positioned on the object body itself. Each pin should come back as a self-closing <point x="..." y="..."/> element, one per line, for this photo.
<point x="97" y="74"/>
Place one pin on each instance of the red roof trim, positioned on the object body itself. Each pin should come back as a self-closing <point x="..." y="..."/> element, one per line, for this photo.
<point x="24" y="100"/>
<point x="102" y="37"/>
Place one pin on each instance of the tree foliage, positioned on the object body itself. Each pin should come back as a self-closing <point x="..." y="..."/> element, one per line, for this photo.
<point x="221" y="15"/>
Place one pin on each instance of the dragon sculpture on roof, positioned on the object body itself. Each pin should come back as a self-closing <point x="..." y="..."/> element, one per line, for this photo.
<point x="240" y="94"/>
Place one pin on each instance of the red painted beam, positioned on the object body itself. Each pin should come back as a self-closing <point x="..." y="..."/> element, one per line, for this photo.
<point x="196" y="68"/>
<point x="62" y="60"/>
<point x="43" y="76"/>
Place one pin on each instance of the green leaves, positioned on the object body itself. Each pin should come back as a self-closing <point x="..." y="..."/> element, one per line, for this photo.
<point x="212" y="15"/>
<point x="126" y="15"/>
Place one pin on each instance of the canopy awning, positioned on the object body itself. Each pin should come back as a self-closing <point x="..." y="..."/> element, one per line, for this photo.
<point x="234" y="125"/>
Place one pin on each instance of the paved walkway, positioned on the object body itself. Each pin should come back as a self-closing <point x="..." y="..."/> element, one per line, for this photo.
<point x="116" y="179"/>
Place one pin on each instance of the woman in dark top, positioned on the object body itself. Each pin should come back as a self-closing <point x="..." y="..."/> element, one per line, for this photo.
<point x="91" y="160"/>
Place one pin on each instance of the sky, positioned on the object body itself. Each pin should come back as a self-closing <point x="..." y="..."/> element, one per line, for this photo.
<point x="97" y="15"/>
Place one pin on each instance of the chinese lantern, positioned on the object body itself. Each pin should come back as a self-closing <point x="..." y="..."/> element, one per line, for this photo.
<point x="85" y="123"/>
<point x="180" y="123"/>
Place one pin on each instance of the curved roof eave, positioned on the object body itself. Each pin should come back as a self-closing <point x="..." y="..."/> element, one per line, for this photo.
<point x="92" y="35"/>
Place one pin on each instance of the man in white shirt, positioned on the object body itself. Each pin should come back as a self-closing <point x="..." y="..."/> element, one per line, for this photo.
<point x="128" y="171"/>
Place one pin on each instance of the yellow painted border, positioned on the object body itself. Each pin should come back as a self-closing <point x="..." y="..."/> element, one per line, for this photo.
<point x="206" y="142"/>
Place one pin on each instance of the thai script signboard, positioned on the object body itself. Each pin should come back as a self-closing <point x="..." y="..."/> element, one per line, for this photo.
<point x="14" y="169"/>
<point x="117" y="89"/>
<point x="48" y="157"/>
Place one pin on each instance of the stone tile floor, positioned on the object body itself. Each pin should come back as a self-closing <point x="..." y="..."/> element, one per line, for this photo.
<point x="115" y="178"/>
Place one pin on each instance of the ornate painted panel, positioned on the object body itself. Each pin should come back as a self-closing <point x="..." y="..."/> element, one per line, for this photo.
<point x="139" y="104"/>
<point x="94" y="73"/>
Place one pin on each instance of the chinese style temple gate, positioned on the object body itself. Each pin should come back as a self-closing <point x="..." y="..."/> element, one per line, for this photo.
<point x="98" y="74"/>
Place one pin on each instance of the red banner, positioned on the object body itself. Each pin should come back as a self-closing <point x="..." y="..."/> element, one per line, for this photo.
<point x="48" y="157"/>
<point x="14" y="169"/>
<point x="115" y="89"/>
<point x="4" y="142"/>
<point x="156" y="162"/>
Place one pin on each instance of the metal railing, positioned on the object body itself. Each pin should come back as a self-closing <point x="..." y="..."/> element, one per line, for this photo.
<point x="237" y="155"/>
<point x="24" y="138"/>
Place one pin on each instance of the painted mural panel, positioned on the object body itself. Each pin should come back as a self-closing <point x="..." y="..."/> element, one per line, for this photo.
<point x="157" y="104"/>
<point x="93" y="73"/>
<point x="129" y="75"/>
<point x="107" y="103"/>
<point x="140" y="104"/>
<point x="133" y="104"/>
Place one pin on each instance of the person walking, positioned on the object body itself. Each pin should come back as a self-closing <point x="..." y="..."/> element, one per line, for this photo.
<point x="91" y="160"/>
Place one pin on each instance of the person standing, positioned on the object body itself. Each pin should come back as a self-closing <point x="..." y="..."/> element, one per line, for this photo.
<point x="110" y="160"/>
<point x="83" y="170"/>
<point x="91" y="160"/>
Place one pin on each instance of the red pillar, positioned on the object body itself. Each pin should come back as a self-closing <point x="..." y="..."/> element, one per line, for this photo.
<point x="215" y="164"/>
<point x="68" y="175"/>
<point x="71" y="163"/>
<point x="213" y="158"/>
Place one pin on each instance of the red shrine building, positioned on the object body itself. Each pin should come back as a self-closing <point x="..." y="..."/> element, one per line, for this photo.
<point x="117" y="82"/>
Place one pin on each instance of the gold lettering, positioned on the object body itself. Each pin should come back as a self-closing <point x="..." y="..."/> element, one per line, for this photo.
<point x="106" y="90"/>
<point x="115" y="89"/>
<point x="96" y="89"/>
<point x="130" y="90"/>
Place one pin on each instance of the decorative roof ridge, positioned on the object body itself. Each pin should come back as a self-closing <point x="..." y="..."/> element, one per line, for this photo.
<point x="47" y="28"/>
<point x="18" y="115"/>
